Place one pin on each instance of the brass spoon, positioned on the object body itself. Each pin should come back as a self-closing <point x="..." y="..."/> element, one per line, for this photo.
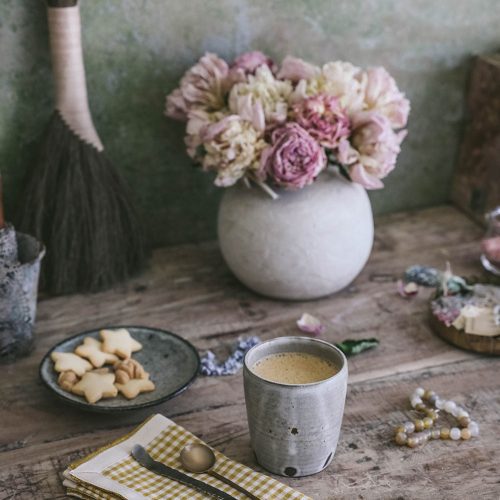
<point x="199" y="458"/>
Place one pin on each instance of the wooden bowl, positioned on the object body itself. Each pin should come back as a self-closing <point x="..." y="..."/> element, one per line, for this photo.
<point x="467" y="341"/>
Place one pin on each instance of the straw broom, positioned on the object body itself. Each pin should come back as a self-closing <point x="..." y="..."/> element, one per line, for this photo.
<point x="74" y="200"/>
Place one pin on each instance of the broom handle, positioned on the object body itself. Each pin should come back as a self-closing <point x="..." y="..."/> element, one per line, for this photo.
<point x="69" y="71"/>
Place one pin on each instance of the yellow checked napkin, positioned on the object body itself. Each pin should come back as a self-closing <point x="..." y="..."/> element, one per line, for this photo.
<point x="111" y="472"/>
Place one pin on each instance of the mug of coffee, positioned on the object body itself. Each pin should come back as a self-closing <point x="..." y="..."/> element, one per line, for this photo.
<point x="295" y="389"/>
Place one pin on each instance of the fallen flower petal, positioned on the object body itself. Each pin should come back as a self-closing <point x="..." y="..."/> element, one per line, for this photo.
<point x="407" y="290"/>
<point x="310" y="324"/>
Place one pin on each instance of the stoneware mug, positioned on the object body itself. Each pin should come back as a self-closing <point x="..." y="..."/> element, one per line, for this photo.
<point x="294" y="429"/>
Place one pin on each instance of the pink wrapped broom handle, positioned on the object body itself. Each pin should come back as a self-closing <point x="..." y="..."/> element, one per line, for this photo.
<point x="69" y="71"/>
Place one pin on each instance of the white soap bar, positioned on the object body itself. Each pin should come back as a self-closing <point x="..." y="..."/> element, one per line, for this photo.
<point x="459" y="323"/>
<point x="480" y="321"/>
<point x="468" y="311"/>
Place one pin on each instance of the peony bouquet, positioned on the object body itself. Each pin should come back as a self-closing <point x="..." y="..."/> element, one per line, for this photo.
<point x="282" y="126"/>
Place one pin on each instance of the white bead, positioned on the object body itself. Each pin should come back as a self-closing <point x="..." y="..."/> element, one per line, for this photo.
<point x="455" y="411"/>
<point x="462" y="413"/>
<point x="409" y="427"/>
<point x="455" y="433"/>
<point x="415" y="400"/>
<point x="419" y="391"/>
<point x="474" y="429"/>
<point x="439" y="404"/>
<point x="449" y="406"/>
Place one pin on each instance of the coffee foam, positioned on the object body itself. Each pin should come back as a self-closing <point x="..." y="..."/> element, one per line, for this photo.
<point x="294" y="368"/>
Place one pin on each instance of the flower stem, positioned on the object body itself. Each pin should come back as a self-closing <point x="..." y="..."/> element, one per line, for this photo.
<point x="265" y="188"/>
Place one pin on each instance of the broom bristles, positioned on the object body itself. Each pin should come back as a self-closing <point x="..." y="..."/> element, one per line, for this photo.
<point x="77" y="205"/>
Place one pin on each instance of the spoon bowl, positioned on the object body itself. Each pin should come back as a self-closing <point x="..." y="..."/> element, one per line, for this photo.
<point x="198" y="458"/>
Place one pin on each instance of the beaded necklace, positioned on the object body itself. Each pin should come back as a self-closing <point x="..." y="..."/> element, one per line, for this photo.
<point x="413" y="434"/>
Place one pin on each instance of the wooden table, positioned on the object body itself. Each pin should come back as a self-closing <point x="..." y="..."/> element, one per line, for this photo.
<point x="189" y="290"/>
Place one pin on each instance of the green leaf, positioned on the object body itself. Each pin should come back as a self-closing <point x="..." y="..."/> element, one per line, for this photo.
<point x="351" y="347"/>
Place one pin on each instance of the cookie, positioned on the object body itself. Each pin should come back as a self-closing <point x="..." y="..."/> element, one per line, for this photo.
<point x="104" y="369"/>
<point x="95" y="386"/>
<point x="135" y="386"/>
<point x="119" y="342"/>
<point x="91" y="349"/>
<point x="67" y="380"/>
<point x="129" y="369"/>
<point x="67" y="361"/>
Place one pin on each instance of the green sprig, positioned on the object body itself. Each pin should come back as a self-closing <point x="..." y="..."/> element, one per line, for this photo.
<point x="352" y="347"/>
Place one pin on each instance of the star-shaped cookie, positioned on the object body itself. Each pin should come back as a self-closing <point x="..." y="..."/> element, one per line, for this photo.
<point x="65" y="361"/>
<point x="91" y="349"/>
<point x="67" y="380"/>
<point x="135" y="386"/>
<point x="95" y="386"/>
<point x="119" y="342"/>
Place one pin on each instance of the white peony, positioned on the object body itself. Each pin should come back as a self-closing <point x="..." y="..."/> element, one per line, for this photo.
<point x="262" y="99"/>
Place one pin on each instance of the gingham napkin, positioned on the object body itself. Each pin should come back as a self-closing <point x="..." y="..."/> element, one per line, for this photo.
<point x="111" y="472"/>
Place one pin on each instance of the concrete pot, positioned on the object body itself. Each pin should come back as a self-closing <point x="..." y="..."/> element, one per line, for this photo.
<point x="20" y="258"/>
<point x="304" y="245"/>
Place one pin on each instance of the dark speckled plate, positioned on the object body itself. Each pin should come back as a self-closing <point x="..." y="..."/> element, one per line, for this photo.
<point x="171" y="361"/>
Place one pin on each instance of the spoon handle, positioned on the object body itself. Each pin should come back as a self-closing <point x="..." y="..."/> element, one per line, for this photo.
<point x="147" y="461"/>
<point x="233" y="485"/>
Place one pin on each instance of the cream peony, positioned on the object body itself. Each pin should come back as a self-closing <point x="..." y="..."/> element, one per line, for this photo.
<point x="383" y="96"/>
<point x="338" y="79"/>
<point x="262" y="100"/>
<point x="233" y="148"/>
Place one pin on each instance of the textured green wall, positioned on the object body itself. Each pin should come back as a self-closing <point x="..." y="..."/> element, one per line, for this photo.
<point x="136" y="50"/>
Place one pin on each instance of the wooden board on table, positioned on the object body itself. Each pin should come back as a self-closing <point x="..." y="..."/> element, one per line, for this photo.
<point x="476" y="183"/>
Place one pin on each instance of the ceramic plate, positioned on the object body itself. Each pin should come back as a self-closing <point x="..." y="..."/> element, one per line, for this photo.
<point x="171" y="361"/>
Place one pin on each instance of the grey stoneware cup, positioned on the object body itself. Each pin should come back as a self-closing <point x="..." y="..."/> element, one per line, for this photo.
<point x="294" y="429"/>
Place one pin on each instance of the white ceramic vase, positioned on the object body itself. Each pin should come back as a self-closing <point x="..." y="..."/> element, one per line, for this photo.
<point x="304" y="245"/>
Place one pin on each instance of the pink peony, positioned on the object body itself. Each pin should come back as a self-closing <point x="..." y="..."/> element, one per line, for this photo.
<point x="198" y="121"/>
<point x="176" y="106"/>
<point x="372" y="151"/>
<point x="324" y="118"/>
<point x="295" y="69"/>
<point x="247" y="64"/>
<point x="294" y="160"/>
<point x="491" y="247"/>
<point x="204" y="86"/>
<point x="383" y="96"/>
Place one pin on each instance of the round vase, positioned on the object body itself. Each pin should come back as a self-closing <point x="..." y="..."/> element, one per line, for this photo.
<point x="304" y="245"/>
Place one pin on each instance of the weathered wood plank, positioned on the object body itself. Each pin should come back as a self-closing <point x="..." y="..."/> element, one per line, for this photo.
<point x="407" y="343"/>
<point x="367" y="463"/>
<point x="189" y="290"/>
<point x="369" y="307"/>
<point x="190" y="275"/>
